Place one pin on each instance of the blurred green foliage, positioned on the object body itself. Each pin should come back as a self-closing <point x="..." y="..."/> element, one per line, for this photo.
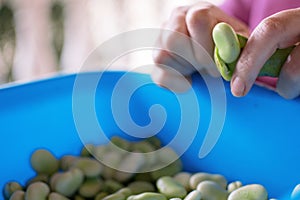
<point x="7" y="40"/>
<point x="8" y="36"/>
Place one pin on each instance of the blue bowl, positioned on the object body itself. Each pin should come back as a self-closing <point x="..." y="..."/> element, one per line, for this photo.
<point x="255" y="139"/>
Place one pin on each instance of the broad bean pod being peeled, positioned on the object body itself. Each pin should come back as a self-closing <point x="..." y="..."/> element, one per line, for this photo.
<point x="228" y="47"/>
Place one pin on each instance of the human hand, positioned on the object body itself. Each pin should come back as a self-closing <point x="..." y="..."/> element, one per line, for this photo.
<point x="280" y="30"/>
<point x="196" y="22"/>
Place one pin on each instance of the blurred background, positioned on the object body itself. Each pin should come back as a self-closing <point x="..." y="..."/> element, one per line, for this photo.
<point x="40" y="38"/>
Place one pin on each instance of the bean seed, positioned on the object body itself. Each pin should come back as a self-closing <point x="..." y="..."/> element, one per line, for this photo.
<point x="169" y="170"/>
<point x="10" y="188"/>
<point x="249" y="192"/>
<point x="211" y="190"/>
<point x="125" y="191"/>
<point x="121" y="143"/>
<point x="138" y="187"/>
<point x="184" y="179"/>
<point x="90" y="167"/>
<point x="18" y="195"/>
<point x="170" y="188"/>
<point x="43" y="162"/>
<point x="37" y="191"/>
<point x="40" y="177"/>
<point x="147" y="196"/>
<point x="199" y="177"/>
<point x="227" y="42"/>
<point x="131" y="164"/>
<point x="90" y="187"/>
<point x="67" y="183"/>
<point x="87" y="150"/>
<point x="67" y="161"/>
<point x="112" y="186"/>
<point x="101" y="195"/>
<point x="115" y="196"/>
<point x="57" y="196"/>
<point x="233" y="186"/>
<point x="194" y="195"/>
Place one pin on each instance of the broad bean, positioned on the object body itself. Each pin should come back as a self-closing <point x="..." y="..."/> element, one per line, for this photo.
<point x="67" y="183"/>
<point x="17" y="195"/>
<point x="90" y="167"/>
<point x="132" y="163"/>
<point x="44" y="162"/>
<point x="112" y="186"/>
<point x="211" y="190"/>
<point x="226" y="41"/>
<point x="147" y="196"/>
<point x="138" y="187"/>
<point x="37" y="191"/>
<point x="194" y="195"/>
<point x="233" y="186"/>
<point x="184" y="179"/>
<point x="201" y="176"/>
<point x="249" y="192"/>
<point x="10" y="188"/>
<point x="115" y="196"/>
<point x="170" y="188"/>
<point x="90" y="187"/>
<point x="57" y="196"/>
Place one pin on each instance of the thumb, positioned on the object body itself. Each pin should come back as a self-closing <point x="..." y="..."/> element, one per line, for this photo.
<point x="288" y="84"/>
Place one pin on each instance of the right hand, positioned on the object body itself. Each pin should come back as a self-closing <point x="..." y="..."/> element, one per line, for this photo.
<point x="196" y="22"/>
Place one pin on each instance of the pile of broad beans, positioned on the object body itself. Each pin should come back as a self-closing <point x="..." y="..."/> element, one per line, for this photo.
<point x="84" y="177"/>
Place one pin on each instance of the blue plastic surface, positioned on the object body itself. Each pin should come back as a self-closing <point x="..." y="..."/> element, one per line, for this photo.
<point x="260" y="141"/>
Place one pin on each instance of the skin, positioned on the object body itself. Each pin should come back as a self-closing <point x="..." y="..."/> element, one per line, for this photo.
<point x="197" y="21"/>
<point x="277" y="31"/>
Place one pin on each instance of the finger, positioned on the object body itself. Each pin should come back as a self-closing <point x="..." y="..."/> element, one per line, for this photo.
<point x="165" y="73"/>
<point x="277" y="31"/>
<point x="172" y="39"/>
<point x="171" y="79"/>
<point x="288" y="84"/>
<point x="200" y="20"/>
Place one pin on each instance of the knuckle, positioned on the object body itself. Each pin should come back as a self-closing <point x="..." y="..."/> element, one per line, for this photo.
<point x="178" y="13"/>
<point x="199" y="16"/>
<point x="270" y="26"/>
<point x="160" y="57"/>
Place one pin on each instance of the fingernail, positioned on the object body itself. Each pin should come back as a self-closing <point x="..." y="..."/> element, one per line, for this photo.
<point x="238" y="87"/>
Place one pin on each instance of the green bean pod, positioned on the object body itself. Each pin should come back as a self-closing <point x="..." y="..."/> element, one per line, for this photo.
<point x="229" y="45"/>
